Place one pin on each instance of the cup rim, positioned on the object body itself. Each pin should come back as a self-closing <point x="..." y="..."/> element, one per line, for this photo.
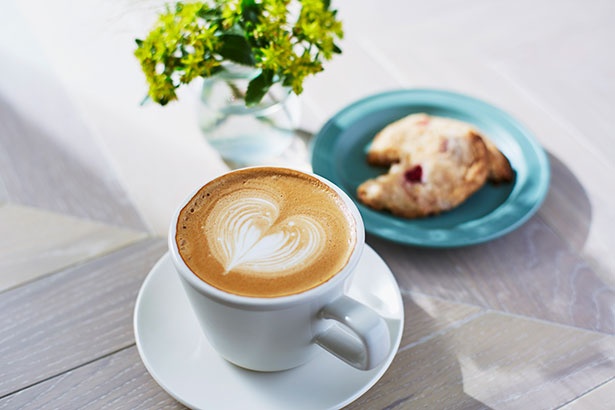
<point x="279" y="302"/>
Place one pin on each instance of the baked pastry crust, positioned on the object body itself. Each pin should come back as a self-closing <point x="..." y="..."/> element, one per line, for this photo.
<point x="435" y="164"/>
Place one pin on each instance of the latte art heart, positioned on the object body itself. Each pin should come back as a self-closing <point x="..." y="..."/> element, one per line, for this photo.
<point x="266" y="232"/>
<point x="249" y="237"/>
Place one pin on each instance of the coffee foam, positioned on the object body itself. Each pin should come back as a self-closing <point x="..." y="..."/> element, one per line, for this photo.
<point x="247" y="235"/>
<point x="266" y="233"/>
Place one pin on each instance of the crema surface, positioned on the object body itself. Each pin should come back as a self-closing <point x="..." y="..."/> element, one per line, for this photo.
<point x="265" y="232"/>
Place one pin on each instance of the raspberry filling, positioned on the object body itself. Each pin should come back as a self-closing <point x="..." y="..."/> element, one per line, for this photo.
<point x="414" y="174"/>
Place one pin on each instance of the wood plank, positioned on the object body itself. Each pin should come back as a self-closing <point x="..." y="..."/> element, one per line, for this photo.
<point x="426" y="317"/>
<point x="586" y="81"/>
<point x="37" y="242"/>
<point x="529" y="272"/>
<point x="71" y="317"/>
<point x="496" y="361"/>
<point x="118" y="381"/>
<point x="4" y="194"/>
<point x="529" y="358"/>
<point x="70" y="176"/>
<point x="567" y="208"/>
<point x="427" y="320"/>
<point x="600" y="398"/>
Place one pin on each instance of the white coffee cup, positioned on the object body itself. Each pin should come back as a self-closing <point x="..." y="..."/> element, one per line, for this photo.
<point x="279" y="333"/>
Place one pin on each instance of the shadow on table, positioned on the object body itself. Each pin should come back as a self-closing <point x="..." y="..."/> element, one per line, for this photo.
<point x="61" y="168"/>
<point x="567" y="208"/>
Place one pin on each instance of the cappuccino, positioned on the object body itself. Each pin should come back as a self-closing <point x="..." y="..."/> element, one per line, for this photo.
<point x="266" y="232"/>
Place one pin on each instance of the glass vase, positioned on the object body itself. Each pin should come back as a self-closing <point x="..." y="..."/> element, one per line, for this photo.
<point x="246" y="135"/>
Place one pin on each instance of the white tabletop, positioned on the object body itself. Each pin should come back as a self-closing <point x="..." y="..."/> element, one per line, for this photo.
<point x="89" y="180"/>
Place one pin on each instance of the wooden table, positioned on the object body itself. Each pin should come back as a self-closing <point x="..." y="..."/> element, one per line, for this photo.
<point x="88" y="179"/>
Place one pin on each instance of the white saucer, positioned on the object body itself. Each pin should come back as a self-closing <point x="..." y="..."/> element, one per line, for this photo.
<point x="183" y="363"/>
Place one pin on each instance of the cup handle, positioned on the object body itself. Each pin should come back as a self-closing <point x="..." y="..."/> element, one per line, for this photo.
<point x="363" y="341"/>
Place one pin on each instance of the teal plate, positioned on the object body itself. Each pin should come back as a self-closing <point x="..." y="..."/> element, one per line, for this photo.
<point x="339" y="149"/>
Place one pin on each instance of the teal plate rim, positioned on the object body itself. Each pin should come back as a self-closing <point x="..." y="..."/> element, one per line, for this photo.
<point x="338" y="154"/>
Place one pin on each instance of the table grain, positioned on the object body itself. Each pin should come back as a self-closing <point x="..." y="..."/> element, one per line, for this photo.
<point x="525" y="321"/>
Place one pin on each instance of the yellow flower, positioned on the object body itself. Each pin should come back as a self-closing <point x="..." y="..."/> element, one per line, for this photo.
<point x="193" y="39"/>
<point x="231" y="12"/>
<point x="207" y="37"/>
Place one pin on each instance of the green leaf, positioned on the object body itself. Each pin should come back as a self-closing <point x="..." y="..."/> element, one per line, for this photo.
<point x="258" y="87"/>
<point x="208" y="14"/>
<point x="250" y="11"/>
<point x="236" y="48"/>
